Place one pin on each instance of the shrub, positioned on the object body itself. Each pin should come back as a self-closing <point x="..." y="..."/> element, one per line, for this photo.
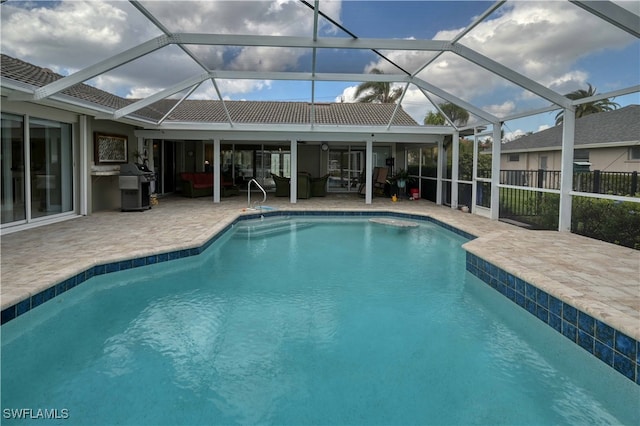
<point x="615" y="222"/>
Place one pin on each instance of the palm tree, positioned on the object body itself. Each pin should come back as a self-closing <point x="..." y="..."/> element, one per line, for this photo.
<point x="587" y="108"/>
<point x="458" y="116"/>
<point x="377" y="91"/>
<point x="435" y="119"/>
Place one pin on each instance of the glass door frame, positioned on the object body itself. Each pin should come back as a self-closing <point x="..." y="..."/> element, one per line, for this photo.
<point x="345" y="165"/>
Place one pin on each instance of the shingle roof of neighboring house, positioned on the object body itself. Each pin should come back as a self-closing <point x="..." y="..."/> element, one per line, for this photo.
<point x="621" y="125"/>
<point x="211" y="111"/>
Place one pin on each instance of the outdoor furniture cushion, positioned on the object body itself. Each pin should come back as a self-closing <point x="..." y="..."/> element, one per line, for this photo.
<point x="282" y="185"/>
<point x="199" y="184"/>
<point x="304" y="185"/>
<point x="319" y="186"/>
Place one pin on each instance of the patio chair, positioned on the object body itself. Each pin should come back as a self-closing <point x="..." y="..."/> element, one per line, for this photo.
<point x="380" y="182"/>
<point x="363" y="183"/>
<point x="283" y="188"/>
<point x="319" y="186"/>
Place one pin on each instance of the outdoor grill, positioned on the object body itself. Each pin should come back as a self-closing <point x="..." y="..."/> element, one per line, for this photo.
<point x="135" y="187"/>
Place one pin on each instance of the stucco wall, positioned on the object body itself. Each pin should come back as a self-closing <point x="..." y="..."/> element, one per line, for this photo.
<point x="605" y="159"/>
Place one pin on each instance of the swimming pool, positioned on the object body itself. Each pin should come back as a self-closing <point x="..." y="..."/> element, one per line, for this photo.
<point x="305" y="321"/>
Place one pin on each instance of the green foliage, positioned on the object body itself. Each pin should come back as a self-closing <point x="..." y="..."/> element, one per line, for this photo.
<point x="435" y="119"/>
<point x="539" y="210"/>
<point x="459" y="116"/>
<point x="607" y="220"/>
<point x="465" y="164"/>
<point x="587" y="108"/>
<point x="377" y="91"/>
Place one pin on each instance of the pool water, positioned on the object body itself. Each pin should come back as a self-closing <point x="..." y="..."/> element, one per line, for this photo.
<point x="317" y="322"/>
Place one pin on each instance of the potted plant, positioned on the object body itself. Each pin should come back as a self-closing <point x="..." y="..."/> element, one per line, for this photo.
<point x="401" y="177"/>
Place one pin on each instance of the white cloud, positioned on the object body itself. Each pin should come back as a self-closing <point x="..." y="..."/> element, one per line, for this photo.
<point x="228" y="87"/>
<point x="537" y="39"/>
<point x="501" y="110"/>
<point x="81" y="32"/>
<point x="347" y="95"/>
<point x="140" y="92"/>
<point x="68" y="36"/>
<point x="510" y="136"/>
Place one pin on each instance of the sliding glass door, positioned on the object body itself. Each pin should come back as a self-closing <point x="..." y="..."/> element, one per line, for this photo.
<point x="12" y="169"/>
<point x="37" y="175"/>
<point x="51" y="168"/>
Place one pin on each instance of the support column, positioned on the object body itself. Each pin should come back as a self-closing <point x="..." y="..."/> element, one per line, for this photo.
<point x="455" y="164"/>
<point x="217" y="177"/>
<point x="368" y="172"/>
<point x="566" y="170"/>
<point x="495" y="170"/>
<point x="294" y="171"/>
<point x="85" y="176"/>
<point x="474" y="172"/>
<point x="439" y="172"/>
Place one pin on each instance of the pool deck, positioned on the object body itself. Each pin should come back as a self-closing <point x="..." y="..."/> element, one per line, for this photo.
<point x="600" y="279"/>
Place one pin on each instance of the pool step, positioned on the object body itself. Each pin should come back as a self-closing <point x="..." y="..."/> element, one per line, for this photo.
<point x="269" y="226"/>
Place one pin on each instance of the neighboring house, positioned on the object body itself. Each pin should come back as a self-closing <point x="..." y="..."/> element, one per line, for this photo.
<point x="607" y="141"/>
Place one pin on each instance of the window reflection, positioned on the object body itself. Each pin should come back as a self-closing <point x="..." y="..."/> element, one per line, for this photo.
<point x="50" y="168"/>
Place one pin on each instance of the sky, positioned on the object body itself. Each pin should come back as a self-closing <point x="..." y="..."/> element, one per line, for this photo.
<point x="553" y="43"/>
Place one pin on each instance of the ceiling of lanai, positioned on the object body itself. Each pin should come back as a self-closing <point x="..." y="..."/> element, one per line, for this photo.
<point x="498" y="60"/>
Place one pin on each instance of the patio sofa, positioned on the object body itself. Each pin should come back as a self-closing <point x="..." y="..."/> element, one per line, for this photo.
<point x="283" y="185"/>
<point x="200" y="184"/>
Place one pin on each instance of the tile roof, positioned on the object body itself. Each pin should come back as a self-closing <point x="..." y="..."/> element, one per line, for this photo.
<point x="621" y="125"/>
<point x="212" y="111"/>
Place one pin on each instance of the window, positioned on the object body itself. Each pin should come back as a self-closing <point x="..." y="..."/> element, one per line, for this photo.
<point x="634" y="153"/>
<point x="37" y="174"/>
<point x="581" y="155"/>
<point x="12" y="169"/>
<point x="543" y="162"/>
<point x="51" y="167"/>
<point x="514" y="158"/>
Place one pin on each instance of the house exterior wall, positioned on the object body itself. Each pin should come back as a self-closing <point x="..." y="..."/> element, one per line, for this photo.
<point x="104" y="191"/>
<point x="308" y="159"/>
<point x="531" y="160"/>
<point x="613" y="159"/>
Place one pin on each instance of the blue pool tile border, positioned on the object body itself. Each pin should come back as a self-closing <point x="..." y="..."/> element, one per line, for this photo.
<point x="609" y="345"/>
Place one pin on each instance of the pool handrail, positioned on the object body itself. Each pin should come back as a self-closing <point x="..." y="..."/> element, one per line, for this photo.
<point x="264" y="193"/>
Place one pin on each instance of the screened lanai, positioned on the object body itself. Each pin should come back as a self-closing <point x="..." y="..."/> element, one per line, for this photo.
<point x="170" y="72"/>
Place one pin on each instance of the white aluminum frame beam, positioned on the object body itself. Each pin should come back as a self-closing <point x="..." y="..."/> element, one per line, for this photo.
<point x="496" y="146"/>
<point x="463" y="33"/>
<point x="613" y="14"/>
<point x="566" y="170"/>
<point x="511" y="75"/>
<point x="309" y="43"/>
<point x="166" y="31"/>
<point x="102" y="67"/>
<point x="454" y="100"/>
<point x="307" y="133"/>
<point x="186" y="95"/>
<point x="455" y="169"/>
<point x="158" y="96"/>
